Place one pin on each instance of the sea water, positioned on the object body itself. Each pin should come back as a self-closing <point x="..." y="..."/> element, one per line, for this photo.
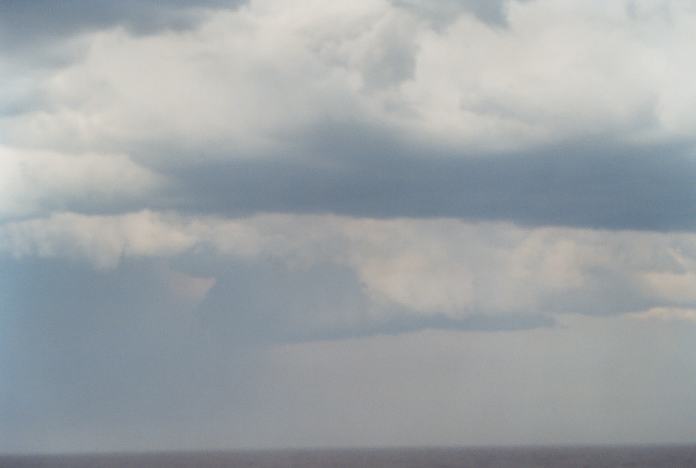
<point x="536" y="457"/>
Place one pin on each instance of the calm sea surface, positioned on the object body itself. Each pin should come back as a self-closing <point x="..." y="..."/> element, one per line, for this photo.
<point x="560" y="457"/>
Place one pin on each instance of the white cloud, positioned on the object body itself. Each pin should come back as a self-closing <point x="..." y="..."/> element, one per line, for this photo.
<point x="419" y="281"/>
<point x="242" y="79"/>
<point x="251" y="78"/>
<point x="679" y="287"/>
<point x="103" y="240"/>
<point x="34" y="180"/>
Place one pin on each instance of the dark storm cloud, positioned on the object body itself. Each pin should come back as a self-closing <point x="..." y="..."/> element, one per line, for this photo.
<point x="26" y="22"/>
<point x="592" y="184"/>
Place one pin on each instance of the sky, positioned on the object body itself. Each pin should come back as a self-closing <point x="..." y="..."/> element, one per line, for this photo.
<point x="266" y="223"/>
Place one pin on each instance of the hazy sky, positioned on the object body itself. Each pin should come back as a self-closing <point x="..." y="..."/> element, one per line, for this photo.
<point x="331" y="223"/>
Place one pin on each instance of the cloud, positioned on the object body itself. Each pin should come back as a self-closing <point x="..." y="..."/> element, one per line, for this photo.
<point x="258" y="75"/>
<point x="127" y="365"/>
<point x="363" y="109"/>
<point x="111" y="357"/>
<point x="446" y="12"/>
<point x="678" y="314"/>
<point x="36" y="182"/>
<point x="580" y="185"/>
<point x="609" y="186"/>
<point x="677" y="286"/>
<point x="227" y="82"/>
<point x="33" y="182"/>
<point x="101" y="239"/>
<point x="270" y="222"/>
<point x="393" y="275"/>
<point x="45" y="21"/>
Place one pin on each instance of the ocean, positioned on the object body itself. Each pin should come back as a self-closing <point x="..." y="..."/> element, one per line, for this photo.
<point x="532" y="457"/>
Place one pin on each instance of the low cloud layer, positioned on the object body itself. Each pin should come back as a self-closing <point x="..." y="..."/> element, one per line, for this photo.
<point x="444" y="269"/>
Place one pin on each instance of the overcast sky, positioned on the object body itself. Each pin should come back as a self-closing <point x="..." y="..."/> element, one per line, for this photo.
<point x="273" y="223"/>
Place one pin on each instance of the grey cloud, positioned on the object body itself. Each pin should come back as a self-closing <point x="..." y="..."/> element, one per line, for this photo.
<point x="112" y="355"/>
<point x="443" y="12"/>
<point x="83" y="351"/>
<point x="104" y="361"/>
<point x="361" y="172"/>
<point x="265" y="302"/>
<point x="26" y="22"/>
<point x="416" y="323"/>
<point x="606" y="293"/>
<point x="358" y="172"/>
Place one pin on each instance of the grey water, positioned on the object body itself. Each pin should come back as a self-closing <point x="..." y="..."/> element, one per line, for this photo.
<point x="489" y="457"/>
